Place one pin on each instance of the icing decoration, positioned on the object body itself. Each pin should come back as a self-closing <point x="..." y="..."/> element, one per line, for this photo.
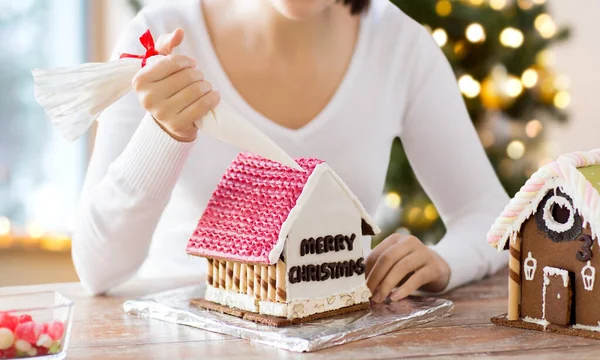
<point x="588" y="274"/>
<point x="587" y="327"/>
<point x="231" y="299"/>
<point x="556" y="204"/>
<point x="254" y="206"/>
<point x="530" y="265"/>
<point x="326" y="271"/>
<point x="552" y="271"/>
<point x="585" y="254"/>
<point x="326" y="244"/>
<point x="541" y="322"/>
<point x="562" y="173"/>
<point x="548" y="215"/>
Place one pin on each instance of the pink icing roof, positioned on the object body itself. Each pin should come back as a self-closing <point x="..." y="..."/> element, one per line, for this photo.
<point x="245" y="214"/>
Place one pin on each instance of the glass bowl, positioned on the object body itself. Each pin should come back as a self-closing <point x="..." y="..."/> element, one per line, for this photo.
<point x="35" y="325"/>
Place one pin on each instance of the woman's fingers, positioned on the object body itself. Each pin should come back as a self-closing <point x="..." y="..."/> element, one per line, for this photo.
<point x="386" y="261"/>
<point x="189" y="95"/>
<point x="421" y="277"/>
<point x="179" y="81"/>
<point x="163" y="68"/>
<point x="411" y="263"/>
<point x="200" y="107"/>
<point x="167" y="42"/>
<point x="379" y="249"/>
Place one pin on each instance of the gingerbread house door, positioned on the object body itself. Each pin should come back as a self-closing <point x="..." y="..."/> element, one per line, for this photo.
<point x="557" y="296"/>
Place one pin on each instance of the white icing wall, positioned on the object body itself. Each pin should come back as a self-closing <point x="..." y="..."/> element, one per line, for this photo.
<point x="328" y="211"/>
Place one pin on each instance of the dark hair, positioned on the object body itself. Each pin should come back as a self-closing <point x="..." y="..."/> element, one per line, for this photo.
<point x="357" y="6"/>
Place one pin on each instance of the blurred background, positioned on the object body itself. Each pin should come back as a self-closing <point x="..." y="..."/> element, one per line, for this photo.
<point x="526" y="68"/>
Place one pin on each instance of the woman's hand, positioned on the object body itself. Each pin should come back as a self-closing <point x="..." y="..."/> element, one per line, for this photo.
<point x="404" y="259"/>
<point x="174" y="91"/>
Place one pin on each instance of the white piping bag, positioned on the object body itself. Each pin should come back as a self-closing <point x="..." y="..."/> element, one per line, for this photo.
<point x="74" y="97"/>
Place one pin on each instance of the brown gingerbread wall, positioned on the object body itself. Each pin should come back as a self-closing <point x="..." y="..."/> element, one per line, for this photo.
<point x="562" y="255"/>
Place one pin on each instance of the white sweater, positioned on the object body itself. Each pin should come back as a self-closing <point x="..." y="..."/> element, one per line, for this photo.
<point x="145" y="192"/>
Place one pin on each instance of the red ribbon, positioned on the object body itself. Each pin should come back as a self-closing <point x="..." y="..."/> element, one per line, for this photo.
<point x="148" y="43"/>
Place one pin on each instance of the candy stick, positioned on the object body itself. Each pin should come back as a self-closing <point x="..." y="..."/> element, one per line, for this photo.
<point x="280" y="282"/>
<point x="222" y="274"/>
<point x="215" y="266"/>
<point x="236" y="277"/>
<point x="229" y="276"/>
<point x="257" y="281"/>
<point x="272" y="282"/>
<point x="250" y="279"/>
<point x="209" y="276"/>
<point x="243" y="284"/>
<point x="514" y="281"/>
<point x="264" y="282"/>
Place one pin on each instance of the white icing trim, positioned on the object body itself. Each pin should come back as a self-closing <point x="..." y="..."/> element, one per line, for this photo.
<point x="273" y="308"/>
<point x="541" y="322"/>
<point x="231" y="298"/>
<point x="551" y="223"/>
<point x="529" y="267"/>
<point x="310" y="185"/>
<point x="552" y="271"/>
<point x="588" y="278"/>
<point x="300" y="308"/>
<point x="587" y="327"/>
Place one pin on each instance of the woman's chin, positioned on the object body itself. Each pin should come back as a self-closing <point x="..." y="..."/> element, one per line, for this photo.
<point x="301" y="9"/>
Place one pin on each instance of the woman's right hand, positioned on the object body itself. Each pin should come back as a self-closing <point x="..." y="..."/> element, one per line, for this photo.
<point x="174" y="91"/>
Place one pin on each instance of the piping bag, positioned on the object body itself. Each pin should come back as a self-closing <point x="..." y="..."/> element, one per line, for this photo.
<point x="74" y="97"/>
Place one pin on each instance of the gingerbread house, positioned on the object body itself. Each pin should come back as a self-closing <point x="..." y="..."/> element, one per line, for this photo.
<point x="551" y="229"/>
<point x="283" y="243"/>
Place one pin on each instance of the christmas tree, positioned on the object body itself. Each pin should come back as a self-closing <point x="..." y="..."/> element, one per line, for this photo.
<point x="498" y="50"/>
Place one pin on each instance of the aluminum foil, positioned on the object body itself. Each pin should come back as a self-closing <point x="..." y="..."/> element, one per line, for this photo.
<point x="173" y="306"/>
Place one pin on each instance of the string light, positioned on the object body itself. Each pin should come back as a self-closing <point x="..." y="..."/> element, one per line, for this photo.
<point x="533" y="128"/>
<point x="487" y="138"/>
<point x="525" y="4"/>
<point x="529" y="78"/>
<point x="443" y="8"/>
<point x="475" y="33"/>
<point x="440" y="36"/>
<point x="514" y="87"/>
<point x="4" y="226"/>
<point x="393" y="200"/>
<point x="562" y="99"/>
<point x="515" y="149"/>
<point x="430" y="212"/>
<point x="545" y="58"/>
<point x="469" y="86"/>
<point x="545" y="25"/>
<point x="497" y="4"/>
<point x="35" y="230"/>
<point x="511" y="37"/>
<point x="414" y="214"/>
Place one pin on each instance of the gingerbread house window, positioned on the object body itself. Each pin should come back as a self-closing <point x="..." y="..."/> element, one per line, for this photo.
<point x="557" y="217"/>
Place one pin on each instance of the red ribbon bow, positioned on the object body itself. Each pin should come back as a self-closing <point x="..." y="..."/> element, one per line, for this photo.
<point x="148" y="43"/>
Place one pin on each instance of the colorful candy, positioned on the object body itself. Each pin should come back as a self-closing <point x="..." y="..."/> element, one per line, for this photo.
<point x="21" y="336"/>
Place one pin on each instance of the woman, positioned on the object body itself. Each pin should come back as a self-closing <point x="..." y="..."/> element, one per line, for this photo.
<point x="336" y="80"/>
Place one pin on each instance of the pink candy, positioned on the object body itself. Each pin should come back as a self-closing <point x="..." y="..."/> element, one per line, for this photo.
<point x="29" y="331"/>
<point x="55" y="330"/>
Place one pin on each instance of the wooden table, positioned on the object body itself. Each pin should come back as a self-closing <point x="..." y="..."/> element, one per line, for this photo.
<point x="101" y="330"/>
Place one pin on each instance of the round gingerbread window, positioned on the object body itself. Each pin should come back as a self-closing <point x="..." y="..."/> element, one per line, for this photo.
<point x="557" y="217"/>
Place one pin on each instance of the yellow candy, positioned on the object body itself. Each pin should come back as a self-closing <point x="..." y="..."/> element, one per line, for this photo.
<point x="6" y="338"/>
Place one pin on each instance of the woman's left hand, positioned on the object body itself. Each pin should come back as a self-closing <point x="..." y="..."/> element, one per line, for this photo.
<point x="404" y="257"/>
